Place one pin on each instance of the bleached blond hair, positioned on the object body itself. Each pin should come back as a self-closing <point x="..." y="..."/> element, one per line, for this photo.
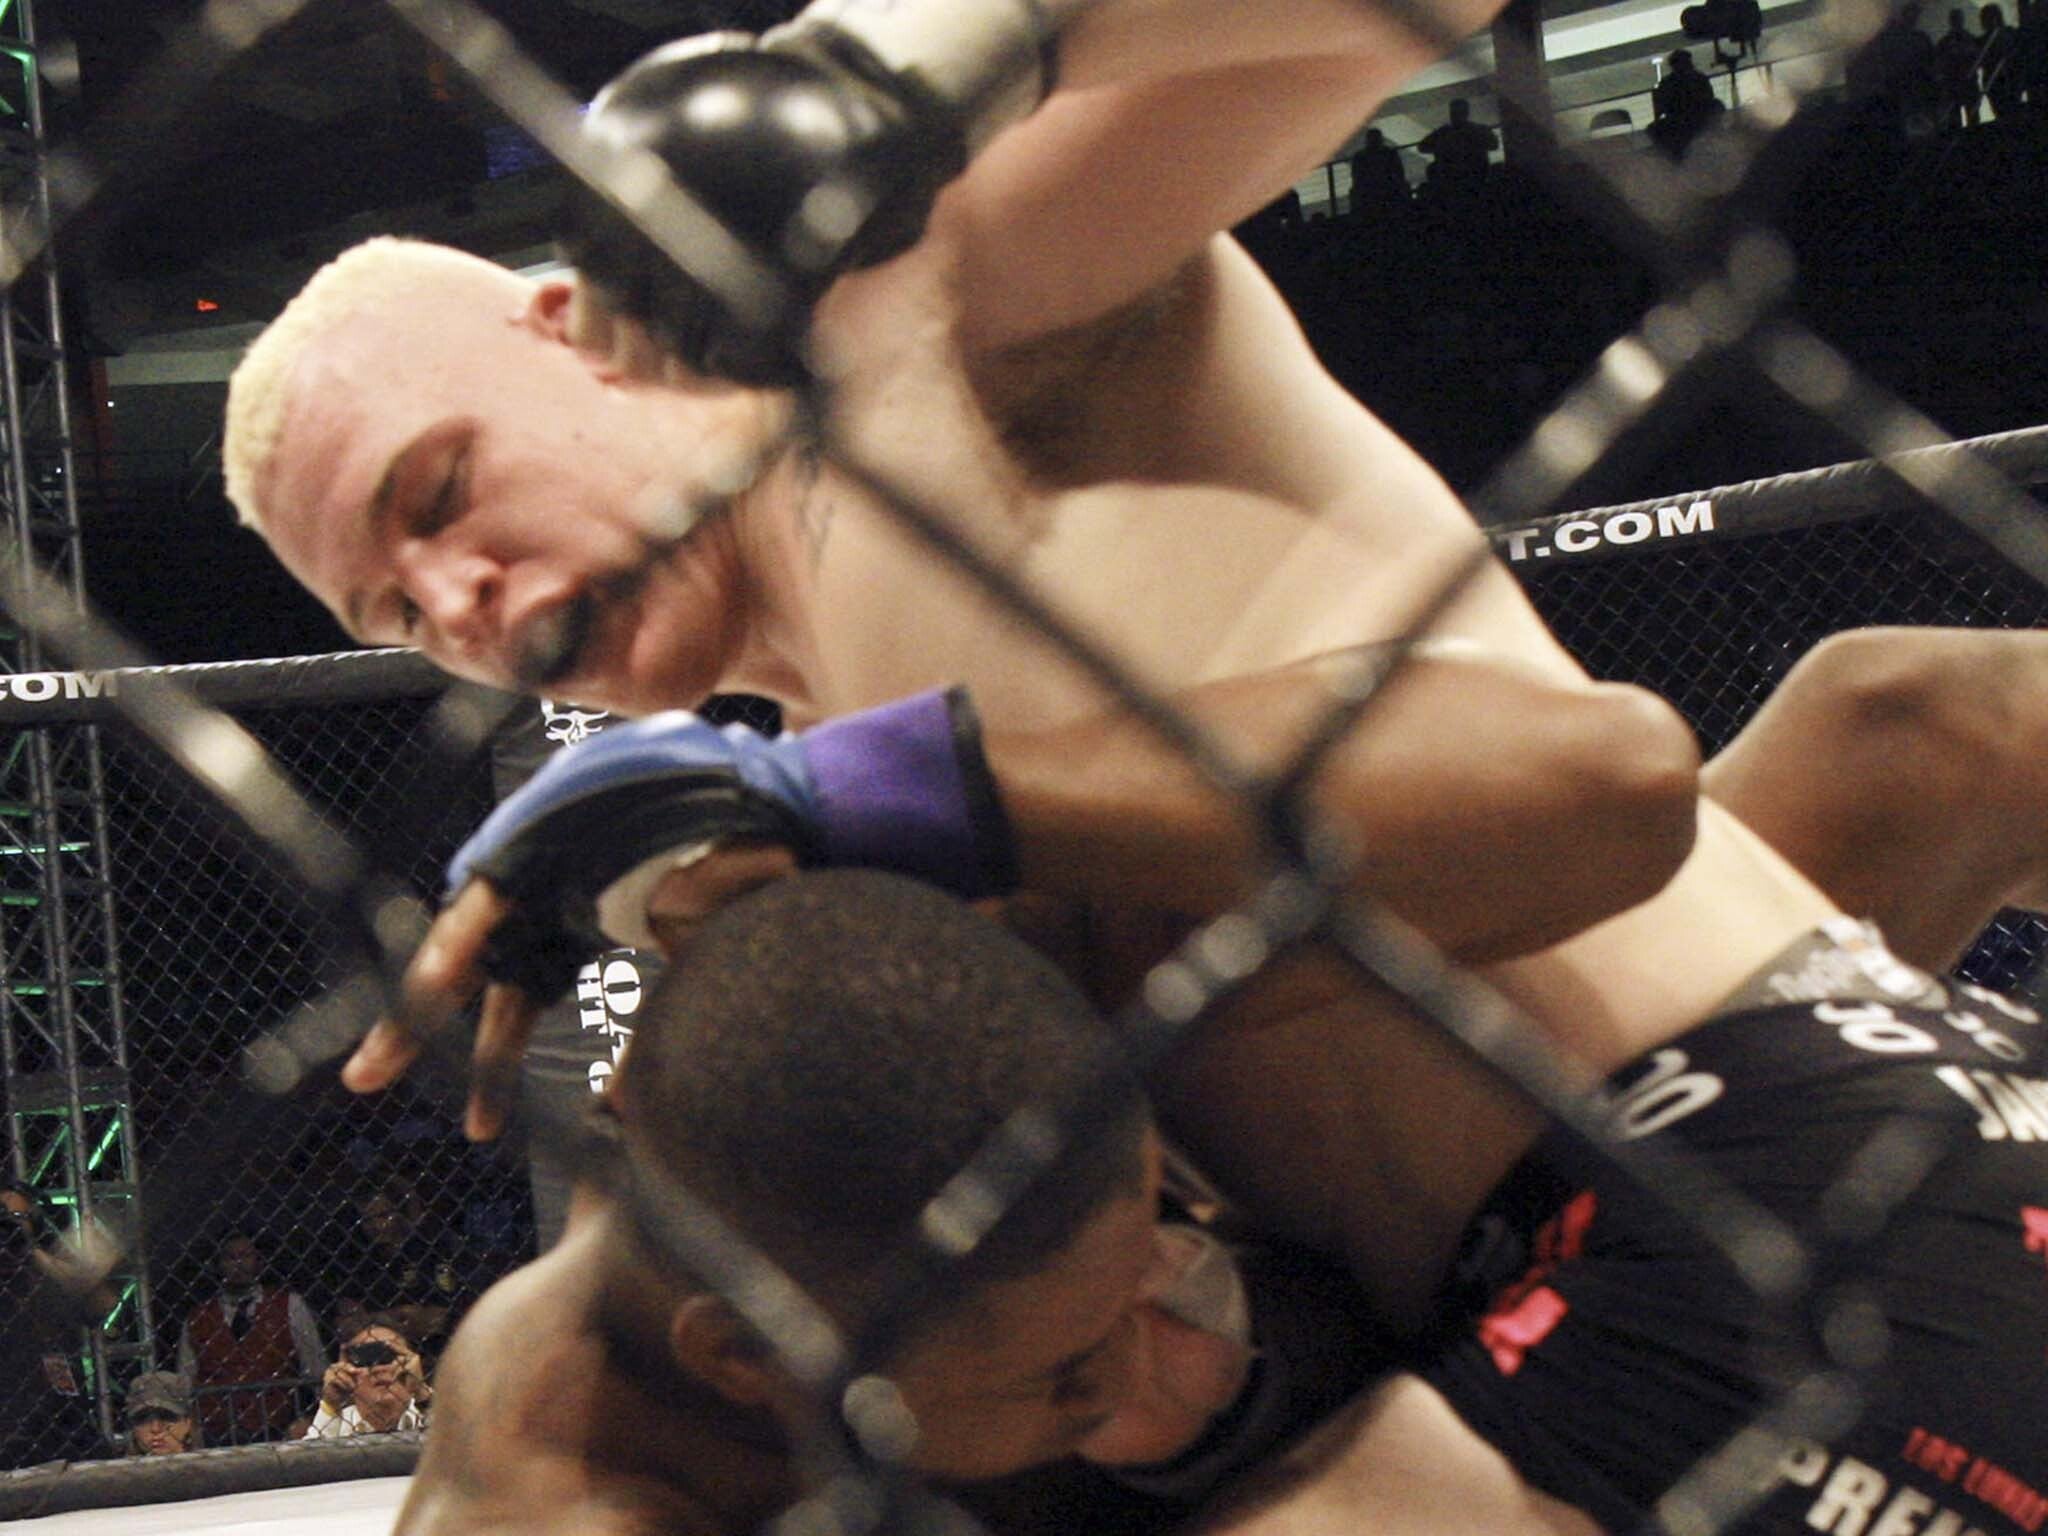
<point x="375" y="276"/>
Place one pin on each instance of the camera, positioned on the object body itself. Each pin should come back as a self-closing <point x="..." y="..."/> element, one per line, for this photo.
<point x="370" y="1352"/>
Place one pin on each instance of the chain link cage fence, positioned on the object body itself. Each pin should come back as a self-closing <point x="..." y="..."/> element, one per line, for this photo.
<point x="214" y="951"/>
<point x="376" y="1202"/>
<point x="341" y="1206"/>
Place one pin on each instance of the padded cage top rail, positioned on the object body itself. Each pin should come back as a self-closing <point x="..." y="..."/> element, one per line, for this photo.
<point x="63" y="1487"/>
<point x="1862" y="488"/>
<point x="1831" y="494"/>
<point x="340" y="677"/>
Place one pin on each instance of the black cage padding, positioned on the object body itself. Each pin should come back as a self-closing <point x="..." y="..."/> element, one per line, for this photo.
<point x="64" y="1487"/>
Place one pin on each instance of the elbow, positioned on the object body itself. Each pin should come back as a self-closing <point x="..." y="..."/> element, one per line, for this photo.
<point x="1618" y="816"/>
<point x="1639" y="786"/>
<point x="1605" y="808"/>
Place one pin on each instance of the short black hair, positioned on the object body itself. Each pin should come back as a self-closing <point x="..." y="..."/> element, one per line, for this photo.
<point x="827" y="1052"/>
<point x="391" y="1322"/>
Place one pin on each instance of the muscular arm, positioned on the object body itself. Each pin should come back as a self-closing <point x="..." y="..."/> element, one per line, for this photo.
<point x="1168" y="121"/>
<point x="1173" y="120"/>
<point x="1493" y="806"/>
<point x="1112" y="42"/>
<point x="1497" y="808"/>
<point x="1900" y="770"/>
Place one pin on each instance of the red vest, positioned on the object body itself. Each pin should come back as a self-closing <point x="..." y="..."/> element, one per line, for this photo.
<point x="264" y="1353"/>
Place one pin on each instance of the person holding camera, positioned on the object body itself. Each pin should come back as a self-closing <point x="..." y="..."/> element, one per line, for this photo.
<point x="377" y="1386"/>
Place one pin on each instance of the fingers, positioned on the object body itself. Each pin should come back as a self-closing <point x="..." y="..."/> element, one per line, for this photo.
<point x="380" y="1058"/>
<point x="442" y="979"/>
<point x="687" y="896"/>
<point x="415" y="1377"/>
<point x="501" y="1037"/>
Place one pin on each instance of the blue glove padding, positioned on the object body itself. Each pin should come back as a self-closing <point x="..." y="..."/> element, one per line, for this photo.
<point x="903" y="787"/>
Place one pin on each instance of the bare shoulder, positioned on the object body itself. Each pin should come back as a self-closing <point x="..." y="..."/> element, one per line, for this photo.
<point x="1398" y="1459"/>
<point x="501" y="1455"/>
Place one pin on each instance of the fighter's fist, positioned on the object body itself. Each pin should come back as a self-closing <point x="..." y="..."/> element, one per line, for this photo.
<point x="579" y="849"/>
<point x="819" y="146"/>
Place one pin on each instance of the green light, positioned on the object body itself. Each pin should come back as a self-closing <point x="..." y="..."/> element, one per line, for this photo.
<point x="106" y="1141"/>
<point x="41" y="989"/>
<point x="120" y="1306"/>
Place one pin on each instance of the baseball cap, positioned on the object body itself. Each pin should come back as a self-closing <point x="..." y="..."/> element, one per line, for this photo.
<point x="159" y="1392"/>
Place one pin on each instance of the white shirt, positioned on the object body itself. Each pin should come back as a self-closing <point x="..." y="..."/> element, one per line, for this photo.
<point x="338" y="1426"/>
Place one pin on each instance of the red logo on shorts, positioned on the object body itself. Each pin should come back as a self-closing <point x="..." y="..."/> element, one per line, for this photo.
<point x="1528" y="1310"/>
<point x="2034" y="1221"/>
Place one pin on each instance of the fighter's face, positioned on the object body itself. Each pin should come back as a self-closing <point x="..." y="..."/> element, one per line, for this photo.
<point x="1031" y="1367"/>
<point x="458" y="480"/>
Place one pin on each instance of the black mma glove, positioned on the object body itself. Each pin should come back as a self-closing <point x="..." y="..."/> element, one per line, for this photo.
<point x="579" y="847"/>
<point x="820" y="146"/>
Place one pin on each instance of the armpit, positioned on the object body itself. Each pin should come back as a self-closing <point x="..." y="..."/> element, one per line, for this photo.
<point x="1041" y="394"/>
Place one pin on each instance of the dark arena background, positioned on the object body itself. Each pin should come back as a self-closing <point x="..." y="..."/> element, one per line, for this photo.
<point x="1862" y="278"/>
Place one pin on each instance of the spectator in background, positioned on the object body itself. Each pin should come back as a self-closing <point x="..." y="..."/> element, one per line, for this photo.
<point x="44" y="1412"/>
<point x="1998" y="63"/>
<point x="377" y="1386"/>
<point x="1458" y="155"/>
<point x="1956" y="53"/>
<point x="1682" y="105"/>
<point x="396" y="1266"/>
<point x="1379" y="183"/>
<point x="246" y="1334"/>
<point x="159" y="1414"/>
<point x="1893" y="73"/>
<point x="2031" y="52"/>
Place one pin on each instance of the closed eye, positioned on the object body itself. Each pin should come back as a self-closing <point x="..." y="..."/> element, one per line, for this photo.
<point x="448" y="498"/>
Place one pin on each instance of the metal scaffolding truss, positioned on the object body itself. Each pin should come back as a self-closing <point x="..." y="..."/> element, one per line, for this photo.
<point x="63" y="1045"/>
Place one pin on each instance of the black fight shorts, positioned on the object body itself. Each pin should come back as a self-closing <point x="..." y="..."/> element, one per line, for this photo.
<point x="1897" y="1127"/>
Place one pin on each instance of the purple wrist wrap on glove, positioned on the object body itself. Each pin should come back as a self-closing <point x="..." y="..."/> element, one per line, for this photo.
<point x="905" y="787"/>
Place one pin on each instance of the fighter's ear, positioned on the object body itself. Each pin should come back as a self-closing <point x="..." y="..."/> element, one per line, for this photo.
<point x="547" y="309"/>
<point x="615" y="350"/>
<point x="709" y="1340"/>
